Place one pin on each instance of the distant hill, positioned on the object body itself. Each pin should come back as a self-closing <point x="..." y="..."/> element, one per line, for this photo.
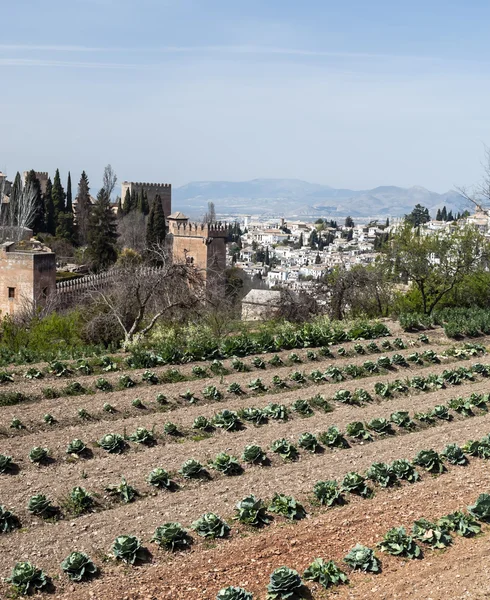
<point x="295" y="198"/>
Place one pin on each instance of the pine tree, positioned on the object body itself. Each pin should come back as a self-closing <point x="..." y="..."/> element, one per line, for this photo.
<point x="38" y="223"/>
<point x="443" y="214"/>
<point x="313" y="239"/>
<point x="69" y="201"/>
<point x="102" y="236"/>
<point x="49" y="221"/>
<point x="58" y="195"/>
<point x="349" y="222"/>
<point x="450" y="216"/>
<point x="65" y="228"/>
<point x="438" y="215"/>
<point x="134" y="201"/>
<point x="82" y="210"/>
<point x="318" y="259"/>
<point x="126" y="207"/>
<point x="387" y="224"/>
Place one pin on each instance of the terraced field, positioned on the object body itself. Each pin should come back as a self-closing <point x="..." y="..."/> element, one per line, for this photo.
<point x="272" y="426"/>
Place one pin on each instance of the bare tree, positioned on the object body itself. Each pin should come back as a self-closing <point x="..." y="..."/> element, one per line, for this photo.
<point x="140" y="295"/>
<point x="210" y="215"/>
<point x="132" y="231"/>
<point x="109" y="180"/>
<point x="19" y="213"/>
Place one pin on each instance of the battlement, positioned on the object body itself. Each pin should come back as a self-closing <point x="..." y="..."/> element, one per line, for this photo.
<point x="147" y="185"/>
<point x="203" y="230"/>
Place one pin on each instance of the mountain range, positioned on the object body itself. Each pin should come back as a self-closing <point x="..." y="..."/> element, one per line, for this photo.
<point x="293" y="198"/>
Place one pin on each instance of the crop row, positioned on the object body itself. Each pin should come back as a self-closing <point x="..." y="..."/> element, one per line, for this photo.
<point x="252" y="512"/>
<point x="383" y="365"/>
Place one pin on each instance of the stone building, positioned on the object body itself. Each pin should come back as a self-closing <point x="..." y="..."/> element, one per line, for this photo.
<point x="42" y="177"/>
<point x="164" y="190"/>
<point x="200" y="244"/>
<point x="27" y="275"/>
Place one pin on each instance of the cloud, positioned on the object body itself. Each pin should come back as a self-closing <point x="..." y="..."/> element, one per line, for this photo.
<point x="27" y="62"/>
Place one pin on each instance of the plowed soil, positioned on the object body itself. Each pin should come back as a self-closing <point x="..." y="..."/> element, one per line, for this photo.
<point x="248" y="557"/>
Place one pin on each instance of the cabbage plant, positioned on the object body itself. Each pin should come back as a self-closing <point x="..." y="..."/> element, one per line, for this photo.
<point x="308" y="442"/>
<point x="402" y="419"/>
<point x="8" y="521"/>
<point x="80" y="500"/>
<point x="171" y="536"/>
<point x="159" y="478"/>
<point x="235" y="388"/>
<point x="76" y="446"/>
<point x="143" y="436"/>
<point x="251" y="511"/>
<point x="357" y="430"/>
<point x="398" y="543"/>
<point x="227" y="420"/>
<point x="38" y="454"/>
<point x="202" y="423"/>
<point x="278" y="412"/>
<point x="253" y="454"/>
<point x="128" y="548"/>
<point x="302" y="408"/>
<point x="481" y="509"/>
<point x="49" y="419"/>
<point x="362" y="558"/>
<point x="325" y="573"/>
<point x="224" y="463"/>
<point x="191" y="468"/>
<point x="284" y="584"/>
<point x="124" y="491"/>
<point x="285" y="449"/>
<point x="210" y="525"/>
<point x="6" y="463"/>
<point x="461" y="523"/>
<point x="380" y="425"/>
<point x="356" y="484"/>
<point x="253" y="415"/>
<point x="454" y="455"/>
<point x="433" y="534"/>
<point x="234" y="593"/>
<point x="112" y="443"/>
<point x="382" y="474"/>
<point x="333" y="438"/>
<point x="26" y="578"/>
<point x="211" y="392"/>
<point x="41" y="506"/>
<point x="328" y="492"/>
<point x="430" y="460"/>
<point x="287" y="506"/>
<point x="78" y="566"/>
<point x="441" y="412"/>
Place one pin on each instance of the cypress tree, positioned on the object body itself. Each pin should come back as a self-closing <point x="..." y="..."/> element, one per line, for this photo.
<point x="38" y="223"/>
<point x="15" y="194"/>
<point x="58" y="195"/>
<point x="102" y="236"/>
<point x="444" y="214"/>
<point x="156" y="228"/>
<point x="134" y="201"/>
<point x="387" y="224"/>
<point x="145" y="207"/>
<point x="49" y="221"/>
<point x="69" y="201"/>
<point x="450" y="216"/>
<point x="438" y="215"/>
<point x="65" y="228"/>
<point x="126" y="205"/>
<point x="82" y="209"/>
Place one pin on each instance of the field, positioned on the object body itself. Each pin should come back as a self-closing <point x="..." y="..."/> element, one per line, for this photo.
<point x="405" y="392"/>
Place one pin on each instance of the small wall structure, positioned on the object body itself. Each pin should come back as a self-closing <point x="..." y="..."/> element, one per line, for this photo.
<point x="164" y="190"/>
<point x="260" y="305"/>
<point x="200" y="244"/>
<point x="27" y="275"/>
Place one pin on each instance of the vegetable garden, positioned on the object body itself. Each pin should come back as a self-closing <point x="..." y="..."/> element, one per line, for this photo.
<point x="109" y="466"/>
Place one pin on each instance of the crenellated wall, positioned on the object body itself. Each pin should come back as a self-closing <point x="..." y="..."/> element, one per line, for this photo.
<point x="152" y="190"/>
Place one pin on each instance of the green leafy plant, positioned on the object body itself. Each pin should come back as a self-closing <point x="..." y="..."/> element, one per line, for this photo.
<point x="210" y="525"/>
<point x="128" y="548"/>
<point x="125" y="492"/>
<point x="103" y="385"/>
<point x="384" y="362"/>
<point x="302" y="408"/>
<point x="333" y="438"/>
<point x="258" y="363"/>
<point x="287" y="506"/>
<point x="424" y="417"/>
<point x="8" y="521"/>
<point x="159" y="477"/>
<point x="49" y="419"/>
<point x="308" y="442"/>
<point x="317" y="376"/>
<point x="192" y="468"/>
<point x="137" y="403"/>
<point x="481" y="509"/>
<point x="33" y="373"/>
<point x="6" y="464"/>
<point x="370" y="366"/>
<point x="278" y="382"/>
<point x="78" y="566"/>
<point x="355" y="483"/>
<point x="256" y="385"/>
<point x="359" y="349"/>
<point x="441" y="412"/>
<point x="202" y="423"/>
<point x="234" y="593"/>
<point x="344" y="396"/>
<point x="38" y="455"/>
<point x="199" y="371"/>
<point x="294" y="358"/>
<point x="41" y="506"/>
<point x="357" y="430"/>
<point x="402" y="419"/>
<point x="170" y="428"/>
<point x="211" y="392"/>
<point x="251" y="511"/>
<point x="382" y="474"/>
<point x="399" y="360"/>
<point x="278" y="412"/>
<point x="335" y="374"/>
<point x="253" y="415"/>
<point x="461" y="406"/>
<point x="161" y="399"/>
<point x="84" y="367"/>
<point x="150" y="377"/>
<point x="382" y="389"/>
<point x="454" y="455"/>
<point x="361" y="396"/>
<point x="229" y="465"/>
<point x="325" y="573"/>
<point x="430" y="461"/>
<point x="74" y="389"/>
<point x="84" y="414"/>
<point x="399" y="343"/>
<point x="432" y="534"/>
<point x="16" y="424"/>
<point x="404" y="469"/>
<point x="112" y="443"/>
<point x="380" y="426"/>
<point x="79" y="500"/>
<point x="26" y="578"/>
<point x="217" y="367"/>
<point x="253" y="454"/>
<point x="284" y="584"/>
<point x="398" y="543"/>
<point x="76" y="446"/>
<point x="285" y="449"/>
<point x="235" y="388"/>
<point x="362" y="558"/>
<point x="461" y="523"/>
<point x="328" y="492"/>
<point x="239" y="365"/>
<point x="58" y="369"/>
<point x="227" y="420"/>
<point x="172" y="536"/>
<point x="125" y="381"/>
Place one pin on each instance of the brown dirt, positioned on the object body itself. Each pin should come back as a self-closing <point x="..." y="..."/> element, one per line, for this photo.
<point x="248" y="557"/>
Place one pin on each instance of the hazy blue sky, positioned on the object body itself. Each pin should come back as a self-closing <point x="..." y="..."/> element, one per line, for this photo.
<point x="348" y="93"/>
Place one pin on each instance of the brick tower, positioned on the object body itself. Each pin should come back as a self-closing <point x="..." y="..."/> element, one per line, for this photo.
<point x="202" y="245"/>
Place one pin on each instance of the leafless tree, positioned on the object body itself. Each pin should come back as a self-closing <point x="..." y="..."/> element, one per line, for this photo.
<point x="210" y="215"/>
<point x="139" y="295"/>
<point x="109" y="180"/>
<point x="132" y="231"/>
<point x="19" y="213"/>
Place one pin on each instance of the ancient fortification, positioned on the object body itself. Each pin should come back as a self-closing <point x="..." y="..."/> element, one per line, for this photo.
<point x="164" y="190"/>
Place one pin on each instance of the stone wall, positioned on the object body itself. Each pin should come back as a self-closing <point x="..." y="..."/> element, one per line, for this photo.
<point x="152" y="189"/>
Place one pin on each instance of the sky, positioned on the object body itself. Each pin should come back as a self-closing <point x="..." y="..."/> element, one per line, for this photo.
<point x="350" y="94"/>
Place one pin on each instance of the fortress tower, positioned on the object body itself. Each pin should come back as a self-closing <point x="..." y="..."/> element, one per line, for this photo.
<point x="42" y="176"/>
<point x="202" y="245"/>
<point x="164" y="190"/>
